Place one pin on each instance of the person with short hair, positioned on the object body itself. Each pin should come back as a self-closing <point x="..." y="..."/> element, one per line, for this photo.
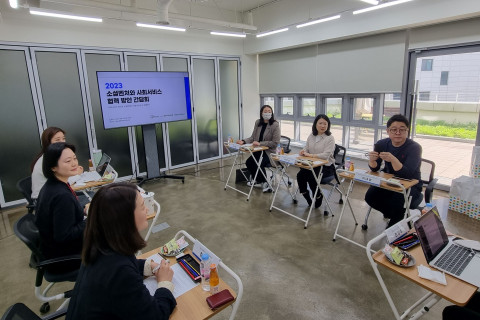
<point x="59" y="216"/>
<point x="110" y="281"/>
<point x="320" y="144"/>
<point x="402" y="157"/>
<point x="266" y="132"/>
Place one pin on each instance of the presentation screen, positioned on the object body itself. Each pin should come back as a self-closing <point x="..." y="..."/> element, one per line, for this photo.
<point x="130" y="98"/>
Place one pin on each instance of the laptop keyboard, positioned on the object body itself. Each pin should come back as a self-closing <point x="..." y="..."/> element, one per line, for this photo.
<point x="455" y="259"/>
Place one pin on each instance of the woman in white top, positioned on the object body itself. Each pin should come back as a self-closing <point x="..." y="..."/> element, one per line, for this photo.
<point x="49" y="136"/>
<point x="320" y="144"/>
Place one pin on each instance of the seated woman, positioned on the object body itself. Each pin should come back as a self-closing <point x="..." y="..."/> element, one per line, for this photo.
<point x="402" y="157"/>
<point x="266" y="132"/>
<point x="320" y="144"/>
<point x="49" y="136"/>
<point x="110" y="281"/>
<point x="59" y="216"/>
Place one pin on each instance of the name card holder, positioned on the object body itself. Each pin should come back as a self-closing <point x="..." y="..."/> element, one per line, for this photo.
<point x="367" y="178"/>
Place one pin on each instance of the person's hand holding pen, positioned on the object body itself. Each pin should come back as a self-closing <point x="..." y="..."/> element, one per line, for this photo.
<point x="162" y="271"/>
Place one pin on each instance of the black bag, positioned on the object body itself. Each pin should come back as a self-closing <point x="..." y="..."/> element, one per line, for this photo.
<point x="242" y="175"/>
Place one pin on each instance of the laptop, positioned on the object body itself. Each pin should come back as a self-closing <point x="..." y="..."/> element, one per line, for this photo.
<point x="96" y="175"/>
<point x="444" y="254"/>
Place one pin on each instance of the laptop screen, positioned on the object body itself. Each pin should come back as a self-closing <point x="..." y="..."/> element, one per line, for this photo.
<point x="432" y="234"/>
<point x="103" y="164"/>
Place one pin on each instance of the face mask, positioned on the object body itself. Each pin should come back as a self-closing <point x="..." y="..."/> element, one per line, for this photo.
<point x="266" y="116"/>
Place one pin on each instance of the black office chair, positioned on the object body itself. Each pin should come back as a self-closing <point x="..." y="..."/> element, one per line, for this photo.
<point x="25" y="187"/>
<point x="427" y="172"/>
<point x="19" y="311"/>
<point x="26" y="230"/>
<point x="285" y="144"/>
<point x="333" y="180"/>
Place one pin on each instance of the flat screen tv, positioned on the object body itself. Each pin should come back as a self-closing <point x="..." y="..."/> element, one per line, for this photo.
<point x="129" y="98"/>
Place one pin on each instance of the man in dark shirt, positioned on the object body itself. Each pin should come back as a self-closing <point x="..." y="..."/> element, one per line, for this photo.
<point x="402" y="157"/>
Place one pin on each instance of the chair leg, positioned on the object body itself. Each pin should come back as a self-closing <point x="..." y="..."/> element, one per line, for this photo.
<point x="365" y="224"/>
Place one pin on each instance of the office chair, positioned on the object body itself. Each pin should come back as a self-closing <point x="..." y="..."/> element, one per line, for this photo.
<point x="19" y="311"/>
<point x="427" y="172"/>
<point x="26" y="230"/>
<point x="333" y="180"/>
<point x="25" y="187"/>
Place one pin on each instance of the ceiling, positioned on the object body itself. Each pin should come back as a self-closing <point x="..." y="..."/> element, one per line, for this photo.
<point x="248" y="16"/>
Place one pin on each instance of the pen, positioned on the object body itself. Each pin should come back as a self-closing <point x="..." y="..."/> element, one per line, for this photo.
<point x="403" y="240"/>
<point x="191" y="266"/>
<point x="186" y="268"/>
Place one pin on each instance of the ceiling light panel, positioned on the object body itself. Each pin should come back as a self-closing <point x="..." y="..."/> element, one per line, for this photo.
<point x="154" y="26"/>
<point x="318" y="21"/>
<point x="271" y="32"/>
<point x="228" y="34"/>
<point x="54" y="14"/>
<point x="380" y="6"/>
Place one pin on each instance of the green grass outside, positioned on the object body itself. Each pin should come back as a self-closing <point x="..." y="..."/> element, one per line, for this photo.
<point x="444" y="129"/>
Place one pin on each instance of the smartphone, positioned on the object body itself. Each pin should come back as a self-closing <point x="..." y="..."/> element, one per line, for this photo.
<point x="377" y="148"/>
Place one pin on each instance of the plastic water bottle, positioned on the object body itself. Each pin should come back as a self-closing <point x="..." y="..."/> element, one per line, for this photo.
<point x="428" y="207"/>
<point x="352" y="166"/>
<point x="279" y="149"/>
<point x="347" y="163"/>
<point x="230" y="139"/>
<point x="214" y="279"/>
<point x="205" y="271"/>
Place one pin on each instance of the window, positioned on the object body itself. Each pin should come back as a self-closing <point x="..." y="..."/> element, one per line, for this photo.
<point x="424" y="96"/>
<point x="444" y="78"/>
<point x="333" y="107"/>
<point x="305" y="130"/>
<point x="363" y="109"/>
<point x="308" y="106"/>
<point x="269" y="101"/>
<point x="287" y="128"/>
<point x="391" y="106"/>
<point x="287" y="106"/>
<point x="427" y="64"/>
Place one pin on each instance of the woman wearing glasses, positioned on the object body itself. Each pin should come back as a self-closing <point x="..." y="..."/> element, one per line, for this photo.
<point x="402" y="157"/>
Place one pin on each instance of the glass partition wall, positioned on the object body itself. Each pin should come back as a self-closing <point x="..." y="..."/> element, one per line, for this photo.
<point x="58" y="87"/>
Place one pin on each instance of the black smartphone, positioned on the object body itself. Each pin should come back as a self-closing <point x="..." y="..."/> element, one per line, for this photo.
<point x="377" y="148"/>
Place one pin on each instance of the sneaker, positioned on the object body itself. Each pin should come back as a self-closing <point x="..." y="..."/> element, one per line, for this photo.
<point x="256" y="185"/>
<point x="266" y="187"/>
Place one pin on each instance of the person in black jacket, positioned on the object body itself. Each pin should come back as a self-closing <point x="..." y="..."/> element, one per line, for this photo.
<point x="110" y="281"/>
<point x="402" y="157"/>
<point x="59" y="216"/>
<point x="471" y="311"/>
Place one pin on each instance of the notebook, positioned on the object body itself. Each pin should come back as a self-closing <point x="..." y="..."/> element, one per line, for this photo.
<point x="96" y="175"/>
<point x="444" y="254"/>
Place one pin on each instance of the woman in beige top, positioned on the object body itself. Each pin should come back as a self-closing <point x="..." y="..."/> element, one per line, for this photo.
<point x="320" y="144"/>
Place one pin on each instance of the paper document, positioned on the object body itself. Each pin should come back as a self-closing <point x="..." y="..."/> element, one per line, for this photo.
<point x="290" y="159"/>
<point x="181" y="280"/>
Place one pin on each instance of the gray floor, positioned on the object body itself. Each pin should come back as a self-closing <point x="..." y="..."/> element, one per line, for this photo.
<point x="288" y="272"/>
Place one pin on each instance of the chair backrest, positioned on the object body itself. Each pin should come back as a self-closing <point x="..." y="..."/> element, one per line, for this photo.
<point x="285" y="143"/>
<point x="427" y="170"/>
<point x="25" y="187"/>
<point x="339" y="155"/>
<point x="26" y="230"/>
<point x="19" y="311"/>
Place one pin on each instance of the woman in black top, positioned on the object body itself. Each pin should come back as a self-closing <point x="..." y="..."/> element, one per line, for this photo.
<point x="59" y="216"/>
<point x="110" y="281"/>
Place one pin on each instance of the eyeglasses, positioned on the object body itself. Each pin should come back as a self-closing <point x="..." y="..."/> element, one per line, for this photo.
<point x="396" y="130"/>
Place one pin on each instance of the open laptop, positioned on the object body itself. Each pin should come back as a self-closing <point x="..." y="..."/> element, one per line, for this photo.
<point x="96" y="175"/>
<point x="443" y="254"/>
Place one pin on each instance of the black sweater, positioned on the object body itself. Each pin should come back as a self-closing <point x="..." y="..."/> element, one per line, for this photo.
<point x="409" y="154"/>
<point x="59" y="219"/>
<point x="112" y="288"/>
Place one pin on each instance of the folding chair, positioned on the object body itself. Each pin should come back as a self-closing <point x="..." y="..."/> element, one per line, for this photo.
<point x="333" y="180"/>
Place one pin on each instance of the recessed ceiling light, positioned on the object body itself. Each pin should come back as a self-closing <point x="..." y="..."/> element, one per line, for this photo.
<point x="271" y="32"/>
<point x="318" y="21"/>
<point x="154" y="26"/>
<point x="41" y="12"/>
<point x="228" y="34"/>
<point x="380" y="6"/>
